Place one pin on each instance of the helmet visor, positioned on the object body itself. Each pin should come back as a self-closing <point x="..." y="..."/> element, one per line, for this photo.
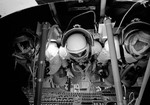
<point x="78" y="55"/>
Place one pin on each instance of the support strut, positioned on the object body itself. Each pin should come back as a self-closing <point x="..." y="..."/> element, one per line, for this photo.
<point x="144" y="83"/>
<point x="41" y="62"/>
<point x="114" y="62"/>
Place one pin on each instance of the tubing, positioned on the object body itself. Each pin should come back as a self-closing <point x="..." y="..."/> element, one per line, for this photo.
<point x="145" y="80"/>
<point x="114" y="62"/>
<point x="102" y="7"/>
<point x="41" y="59"/>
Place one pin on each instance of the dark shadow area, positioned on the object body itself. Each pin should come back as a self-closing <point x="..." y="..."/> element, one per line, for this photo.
<point x="146" y="95"/>
<point x="11" y="25"/>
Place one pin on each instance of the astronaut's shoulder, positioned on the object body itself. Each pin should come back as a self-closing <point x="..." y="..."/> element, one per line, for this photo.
<point x="96" y="48"/>
<point x="62" y="52"/>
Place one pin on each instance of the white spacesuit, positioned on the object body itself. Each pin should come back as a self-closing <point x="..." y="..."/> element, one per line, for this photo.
<point x="81" y="51"/>
<point x="75" y="55"/>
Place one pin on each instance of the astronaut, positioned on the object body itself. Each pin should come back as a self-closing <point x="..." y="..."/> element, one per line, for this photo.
<point x="81" y="50"/>
<point x="136" y="47"/>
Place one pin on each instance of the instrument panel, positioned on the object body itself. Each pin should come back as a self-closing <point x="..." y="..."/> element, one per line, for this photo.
<point x="60" y="97"/>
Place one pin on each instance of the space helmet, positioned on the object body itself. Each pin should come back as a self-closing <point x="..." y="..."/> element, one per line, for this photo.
<point x="136" y="38"/>
<point x="77" y="42"/>
<point x="23" y="45"/>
